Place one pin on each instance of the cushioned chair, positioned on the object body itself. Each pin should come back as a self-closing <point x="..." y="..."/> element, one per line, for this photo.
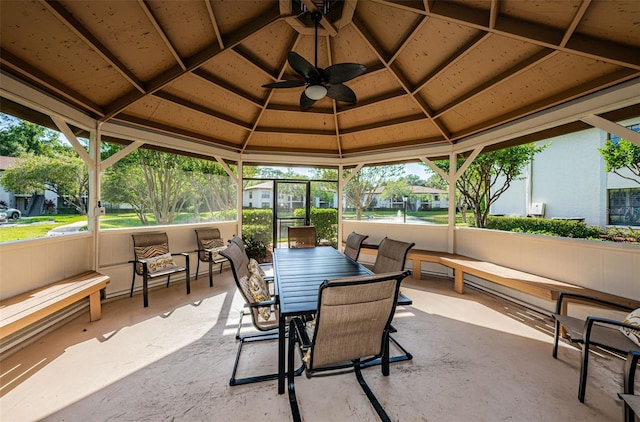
<point x="302" y="236"/>
<point x="209" y="245"/>
<point x="260" y="307"/>
<point x="590" y="332"/>
<point x="351" y="327"/>
<point x="267" y="267"/>
<point x="631" y="400"/>
<point x="152" y="259"/>
<point x="353" y="245"/>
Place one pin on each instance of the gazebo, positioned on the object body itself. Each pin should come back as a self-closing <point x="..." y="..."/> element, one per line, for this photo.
<point x="443" y="80"/>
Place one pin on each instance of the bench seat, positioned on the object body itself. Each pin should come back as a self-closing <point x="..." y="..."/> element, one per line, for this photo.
<point x="22" y="310"/>
<point x="535" y="285"/>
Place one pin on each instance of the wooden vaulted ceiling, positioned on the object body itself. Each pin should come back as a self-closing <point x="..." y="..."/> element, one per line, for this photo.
<point x="438" y="71"/>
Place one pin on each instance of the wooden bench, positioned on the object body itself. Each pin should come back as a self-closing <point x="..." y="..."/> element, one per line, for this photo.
<point x="538" y="286"/>
<point x="27" y="308"/>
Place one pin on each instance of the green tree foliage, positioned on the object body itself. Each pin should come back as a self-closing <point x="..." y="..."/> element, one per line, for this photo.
<point x="414" y="180"/>
<point x="395" y="190"/>
<point x="622" y="155"/>
<point x="19" y="137"/>
<point x="489" y="176"/>
<point x="64" y="174"/>
<point x="359" y="192"/>
<point x="167" y="184"/>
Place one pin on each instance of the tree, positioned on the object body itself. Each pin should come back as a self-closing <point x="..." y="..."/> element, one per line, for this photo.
<point x="123" y="183"/>
<point x="396" y="190"/>
<point x="479" y="186"/>
<point x="359" y="192"/>
<point x="20" y="137"/>
<point x="620" y="155"/>
<point x="414" y="180"/>
<point x="65" y="175"/>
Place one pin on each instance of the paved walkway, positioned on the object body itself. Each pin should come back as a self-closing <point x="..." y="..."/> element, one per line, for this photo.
<point x="68" y="228"/>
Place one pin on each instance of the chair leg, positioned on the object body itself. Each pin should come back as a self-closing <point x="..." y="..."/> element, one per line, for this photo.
<point x="583" y="371"/>
<point x="145" y="294"/>
<point x="188" y="277"/>
<point x="168" y="279"/>
<point x="372" y="398"/>
<point x="133" y="280"/>
<point x="556" y="335"/>
<point x="291" y="386"/>
<point x="259" y="378"/>
<point x="198" y="266"/>
<point x="629" y="381"/>
<point x="210" y="273"/>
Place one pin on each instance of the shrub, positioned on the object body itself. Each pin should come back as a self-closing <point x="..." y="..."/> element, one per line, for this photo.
<point x="562" y="228"/>
<point x="326" y="222"/>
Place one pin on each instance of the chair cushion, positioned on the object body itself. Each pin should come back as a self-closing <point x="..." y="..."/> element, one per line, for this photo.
<point x="146" y="252"/>
<point x="632" y="319"/>
<point x="211" y="243"/>
<point x="260" y="292"/>
<point x="255" y="268"/>
<point x="161" y="263"/>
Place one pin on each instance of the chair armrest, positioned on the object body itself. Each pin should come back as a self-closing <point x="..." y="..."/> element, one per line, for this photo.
<point x="261" y="304"/>
<point x="630" y="371"/>
<point x="591" y="320"/>
<point x="577" y="297"/>
<point x="301" y="332"/>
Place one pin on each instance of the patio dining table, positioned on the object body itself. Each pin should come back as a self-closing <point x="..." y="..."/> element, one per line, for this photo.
<point x="298" y="275"/>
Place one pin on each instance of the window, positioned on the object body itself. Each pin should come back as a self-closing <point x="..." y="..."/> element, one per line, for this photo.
<point x="624" y="207"/>
<point x="616" y="139"/>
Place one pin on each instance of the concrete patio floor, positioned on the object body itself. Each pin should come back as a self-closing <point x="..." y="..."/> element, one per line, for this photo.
<point x="476" y="358"/>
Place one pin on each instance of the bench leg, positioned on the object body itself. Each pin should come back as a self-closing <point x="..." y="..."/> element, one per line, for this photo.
<point x="94" y="306"/>
<point x="458" y="285"/>
<point x="416" y="274"/>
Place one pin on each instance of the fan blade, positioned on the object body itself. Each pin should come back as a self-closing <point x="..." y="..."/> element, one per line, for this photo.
<point x="341" y="93"/>
<point x="343" y="72"/>
<point x="284" y="84"/>
<point x="305" y="102"/>
<point x="303" y="67"/>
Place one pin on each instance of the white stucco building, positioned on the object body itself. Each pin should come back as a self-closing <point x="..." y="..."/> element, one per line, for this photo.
<point x="569" y="178"/>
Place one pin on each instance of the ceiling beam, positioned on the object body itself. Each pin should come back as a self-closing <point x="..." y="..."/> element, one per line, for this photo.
<point x="253" y="61"/>
<point x="374" y="45"/>
<point x="218" y="83"/>
<point x="214" y="23"/>
<point x="574" y="22"/>
<point x="201" y="109"/>
<point x="382" y="98"/>
<point x="30" y="73"/>
<point x="67" y="19"/>
<point x="413" y="31"/>
<point x="535" y="33"/>
<point x="145" y="8"/>
<point x="295" y="131"/>
<point x="510" y="73"/>
<point x="324" y="21"/>
<point x="612" y="127"/>
<point x="194" y="63"/>
<point x="283" y="65"/>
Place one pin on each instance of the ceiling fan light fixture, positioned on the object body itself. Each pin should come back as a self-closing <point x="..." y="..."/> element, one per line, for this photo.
<point x="315" y="92"/>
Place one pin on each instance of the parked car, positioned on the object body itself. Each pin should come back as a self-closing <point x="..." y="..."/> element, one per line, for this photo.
<point x="3" y="217"/>
<point x="12" y="213"/>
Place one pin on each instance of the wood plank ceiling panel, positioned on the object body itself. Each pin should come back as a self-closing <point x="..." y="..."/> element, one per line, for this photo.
<point x="618" y="24"/>
<point x="58" y="52"/>
<point x="303" y="122"/>
<point x="378" y="112"/>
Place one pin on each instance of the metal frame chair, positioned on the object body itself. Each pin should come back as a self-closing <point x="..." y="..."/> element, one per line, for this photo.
<point x="589" y="332"/>
<point x="239" y="262"/>
<point x="206" y="255"/>
<point x="631" y="400"/>
<point x="302" y="236"/>
<point x="353" y="245"/>
<point x="155" y="244"/>
<point x="369" y="303"/>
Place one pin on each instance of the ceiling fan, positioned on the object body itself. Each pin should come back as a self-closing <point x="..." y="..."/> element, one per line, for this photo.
<point x="320" y="82"/>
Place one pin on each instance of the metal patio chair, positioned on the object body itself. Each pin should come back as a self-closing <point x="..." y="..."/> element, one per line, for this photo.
<point x="590" y="332"/>
<point x="351" y="327"/>
<point x="209" y="245"/>
<point x="302" y="236"/>
<point x="152" y="259"/>
<point x="354" y="244"/>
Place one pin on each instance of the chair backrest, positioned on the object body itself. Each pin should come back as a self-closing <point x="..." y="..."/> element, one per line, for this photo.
<point x="207" y="239"/>
<point x="391" y="256"/>
<point x="353" y="245"/>
<point x="239" y="263"/>
<point x="302" y="236"/>
<point x="238" y="241"/>
<point x="353" y="318"/>
<point x="148" y="245"/>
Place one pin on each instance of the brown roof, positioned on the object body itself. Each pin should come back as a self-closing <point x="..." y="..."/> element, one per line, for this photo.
<point x="438" y="71"/>
<point x="6" y="162"/>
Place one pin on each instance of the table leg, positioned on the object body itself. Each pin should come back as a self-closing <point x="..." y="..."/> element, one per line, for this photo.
<point x="281" y="354"/>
